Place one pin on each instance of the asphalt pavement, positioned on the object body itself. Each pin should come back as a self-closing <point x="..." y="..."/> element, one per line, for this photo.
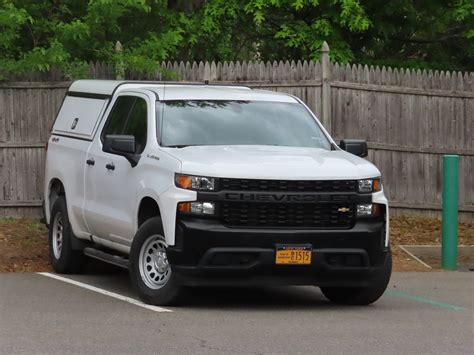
<point x="428" y="312"/>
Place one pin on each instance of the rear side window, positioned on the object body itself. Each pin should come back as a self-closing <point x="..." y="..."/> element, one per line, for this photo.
<point x="128" y="116"/>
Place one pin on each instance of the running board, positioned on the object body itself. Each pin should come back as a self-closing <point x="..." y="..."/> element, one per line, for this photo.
<point x="108" y="258"/>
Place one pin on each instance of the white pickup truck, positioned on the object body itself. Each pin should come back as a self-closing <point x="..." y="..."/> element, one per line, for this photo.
<point x="195" y="184"/>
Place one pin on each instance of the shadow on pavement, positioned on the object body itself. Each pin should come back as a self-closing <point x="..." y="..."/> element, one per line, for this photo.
<point x="116" y="279"/>
<point x="283" y="298"/>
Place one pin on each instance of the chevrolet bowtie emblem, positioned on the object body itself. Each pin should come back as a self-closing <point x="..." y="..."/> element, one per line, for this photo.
<point x="344" y="209"/>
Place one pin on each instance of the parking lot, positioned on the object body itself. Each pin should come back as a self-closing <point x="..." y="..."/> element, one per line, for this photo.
<point x="97" y="312"/>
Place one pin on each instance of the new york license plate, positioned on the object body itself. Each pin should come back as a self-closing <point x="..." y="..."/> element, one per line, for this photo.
<point x="293" y="255"/>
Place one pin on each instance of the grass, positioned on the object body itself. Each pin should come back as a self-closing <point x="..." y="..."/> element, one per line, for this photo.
<point x="24" y="242"/>
<point x="23" y="246"/>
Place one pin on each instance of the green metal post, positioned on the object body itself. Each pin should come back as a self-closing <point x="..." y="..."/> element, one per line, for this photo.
<point x="449" y="242"/>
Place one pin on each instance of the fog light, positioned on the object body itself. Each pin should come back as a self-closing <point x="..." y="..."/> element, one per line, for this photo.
<point x="368" y="210"/>
<point x="197" y="207"/>
<point x="202" y="207"/>
<point x="364" y="210"/>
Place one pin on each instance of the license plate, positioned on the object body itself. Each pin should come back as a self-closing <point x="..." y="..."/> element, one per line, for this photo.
<point x="293" y="255"/>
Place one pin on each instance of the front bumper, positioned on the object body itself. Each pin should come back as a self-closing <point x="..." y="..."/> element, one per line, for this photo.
<point x="209" y="253"/>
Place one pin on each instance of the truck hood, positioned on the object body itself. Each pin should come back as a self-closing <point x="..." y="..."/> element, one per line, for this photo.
<point x="272" y="162"/>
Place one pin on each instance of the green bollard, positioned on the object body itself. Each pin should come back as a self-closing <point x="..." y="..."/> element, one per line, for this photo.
<point x="449" y="242"/>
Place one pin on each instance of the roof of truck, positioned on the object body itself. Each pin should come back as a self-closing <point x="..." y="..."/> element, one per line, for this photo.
<point x="178" y="90"/>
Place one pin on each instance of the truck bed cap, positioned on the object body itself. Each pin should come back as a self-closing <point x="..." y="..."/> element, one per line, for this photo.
<point x="107" y="87"/>
<point x="175" y="90"/>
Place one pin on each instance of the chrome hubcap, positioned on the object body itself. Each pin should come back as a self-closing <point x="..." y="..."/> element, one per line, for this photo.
<point x="155" y="270"/>
<point x="57" y="235"/>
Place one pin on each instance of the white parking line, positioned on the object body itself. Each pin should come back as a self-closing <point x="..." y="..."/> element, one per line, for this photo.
<point x="415" y="257"/>
<point x="105" y="292"/>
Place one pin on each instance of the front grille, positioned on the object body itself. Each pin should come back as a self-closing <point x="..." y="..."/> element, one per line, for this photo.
<point x="287" y="215"/>
<point x="288" y="185"/>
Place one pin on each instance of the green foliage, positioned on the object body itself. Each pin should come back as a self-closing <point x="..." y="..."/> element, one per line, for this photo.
<point x="68" y="34"/>
<point x="419" y="34"/>
<point x="11" y="21"/>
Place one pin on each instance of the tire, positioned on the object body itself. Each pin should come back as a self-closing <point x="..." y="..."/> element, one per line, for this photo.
<point x="362" y="295"/>
<point x="150" y="272"/>
<point x="64" y="259"/>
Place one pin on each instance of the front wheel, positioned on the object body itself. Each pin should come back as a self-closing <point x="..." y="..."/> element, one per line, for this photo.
<point x="150" y="272"/>
<point x="362" y="295"/>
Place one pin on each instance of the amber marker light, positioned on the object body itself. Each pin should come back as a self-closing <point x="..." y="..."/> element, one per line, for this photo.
<point x="184" y="181"/>
<point x="184" y="207"/>
<point x="376" y="210"/>
<point x="377" y="185"/>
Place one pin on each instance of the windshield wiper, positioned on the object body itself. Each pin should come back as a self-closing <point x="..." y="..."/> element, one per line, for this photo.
<point x="176" y="146"/>
<point x="181" y="145"/>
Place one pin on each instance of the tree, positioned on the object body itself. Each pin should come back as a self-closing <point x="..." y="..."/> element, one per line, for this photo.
<point x="435" y="34"/>
<point x="68" y="34"/>
<point x="37" y="35"/>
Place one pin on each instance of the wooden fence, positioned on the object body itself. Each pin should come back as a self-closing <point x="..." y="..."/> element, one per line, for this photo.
<point x="409" y="118"/>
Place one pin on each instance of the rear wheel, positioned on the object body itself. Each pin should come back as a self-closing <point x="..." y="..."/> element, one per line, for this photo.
<point x="150" y="272"/>
<point x="64" y="259"/>
<point x="362" y="295"/>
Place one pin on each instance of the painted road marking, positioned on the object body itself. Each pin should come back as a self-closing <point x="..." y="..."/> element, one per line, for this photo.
<point x="105" y="292"/>
<point x="414" y="257"/>
<point x="408" y="296"/>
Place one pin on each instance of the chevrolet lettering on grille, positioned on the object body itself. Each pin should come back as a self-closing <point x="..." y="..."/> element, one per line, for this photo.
<point x="288" y="197"/>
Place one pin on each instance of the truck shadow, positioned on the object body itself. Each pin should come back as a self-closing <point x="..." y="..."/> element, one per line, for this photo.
<point x="116" y="279"/>
<point x="254" y="298"/>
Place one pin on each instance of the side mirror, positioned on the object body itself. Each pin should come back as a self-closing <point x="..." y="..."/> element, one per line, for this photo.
<point x="354" y="146"/>
<point x="123" y="145"/>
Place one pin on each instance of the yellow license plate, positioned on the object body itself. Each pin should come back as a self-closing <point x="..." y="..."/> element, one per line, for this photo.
<point x="287" y="255"/>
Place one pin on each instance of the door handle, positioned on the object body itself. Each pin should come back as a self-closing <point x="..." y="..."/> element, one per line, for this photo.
<point x="90" y="161"/>
<point x="110" y="166"/>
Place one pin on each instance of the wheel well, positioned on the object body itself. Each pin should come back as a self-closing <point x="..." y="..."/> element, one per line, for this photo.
<point x="56" y="190"/>
<point x="148" y="209"/>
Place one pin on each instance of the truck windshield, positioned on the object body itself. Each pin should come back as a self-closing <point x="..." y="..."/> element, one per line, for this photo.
<point x="205" y="122"/>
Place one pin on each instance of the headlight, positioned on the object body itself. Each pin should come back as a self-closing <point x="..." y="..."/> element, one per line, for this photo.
<point x="199" y="183"/>
<point x="197" y="207"/>
<point x="370" y="185"/>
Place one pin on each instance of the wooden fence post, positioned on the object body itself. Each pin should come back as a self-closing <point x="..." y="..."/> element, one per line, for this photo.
<point x="326" y="87"/>
<point x="119" y="65"/>
<point x="207" y="72"/>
